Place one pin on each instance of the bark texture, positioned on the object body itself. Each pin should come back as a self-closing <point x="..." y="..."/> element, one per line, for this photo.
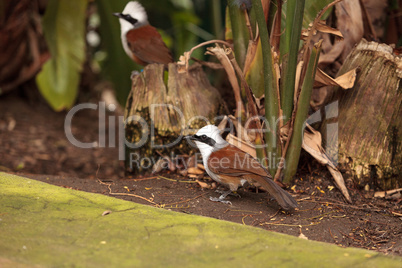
<point x="369" y="126"/>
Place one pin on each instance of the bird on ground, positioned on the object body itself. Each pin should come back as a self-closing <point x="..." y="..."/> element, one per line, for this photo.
<point x="141" y="42"/>
<point x="230" y="166"/>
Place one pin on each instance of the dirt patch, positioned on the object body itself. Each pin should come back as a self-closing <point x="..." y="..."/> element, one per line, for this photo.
<point x="33" y="142"/>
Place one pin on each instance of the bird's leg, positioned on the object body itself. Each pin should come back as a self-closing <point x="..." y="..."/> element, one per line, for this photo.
<point x="231" y="193"/>
<point x="222" y="197"/>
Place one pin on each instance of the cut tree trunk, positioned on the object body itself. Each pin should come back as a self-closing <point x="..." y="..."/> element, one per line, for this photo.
<point x="369" y="127"/>
<point x="161" y="108"/>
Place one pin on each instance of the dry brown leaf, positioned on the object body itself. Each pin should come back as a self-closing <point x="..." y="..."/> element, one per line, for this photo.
<point x="324" y="28"/>
<point x="159" y="165"/>
<point x="336" y="174"/>
<point x="388" y="194"/>
<point x="201" y="166"/>
<point x="222" y="124"/>
<point x="302" y="236"/>
<point x="344" y="81"/>
<point x="203" y="185"/>
<point x="194" y="176"/>
<point x="106" y="212"/>
<point x="347" y="80"/>
<point x="195" y="170"/>
<point x="242" y="145"/>
<point x="312" y="144"/>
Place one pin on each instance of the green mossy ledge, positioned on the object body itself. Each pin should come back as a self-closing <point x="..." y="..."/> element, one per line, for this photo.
<point x="48" y="226"/>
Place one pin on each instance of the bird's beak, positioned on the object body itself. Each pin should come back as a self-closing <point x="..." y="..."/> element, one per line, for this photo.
<point x="117" y="15"/>
<point x="190" y="137"/>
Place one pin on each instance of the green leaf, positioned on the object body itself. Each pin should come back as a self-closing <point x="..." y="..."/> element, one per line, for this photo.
<point x="239" y="31"/>
<point x="303" y="105"/>
<point x="289" y="54"/>
<point x="311" y="9"/>
<point x="64" y="30"/>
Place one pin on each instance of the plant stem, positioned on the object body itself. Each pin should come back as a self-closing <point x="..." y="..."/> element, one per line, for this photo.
<point x="271" y="100"/>
<point x="239" y="31"/>
<point x="303" y="104"/>
<point x="289" y="53"/>
<point x="216" y="18"/>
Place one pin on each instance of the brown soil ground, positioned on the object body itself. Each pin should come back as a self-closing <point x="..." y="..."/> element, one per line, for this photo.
<point x="33" y="144"/>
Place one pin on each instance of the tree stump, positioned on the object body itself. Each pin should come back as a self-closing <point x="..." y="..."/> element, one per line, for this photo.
<point x="369" y="117"/>
<point x="161" y="108"/>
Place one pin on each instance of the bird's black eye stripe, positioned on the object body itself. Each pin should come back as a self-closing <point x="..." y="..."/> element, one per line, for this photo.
<point x="129" y="19"/>
<point x="205" y="139"/>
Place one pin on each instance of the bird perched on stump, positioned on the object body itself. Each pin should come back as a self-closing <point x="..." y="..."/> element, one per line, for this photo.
<point x="233" y="168"/>
<point x="141" y="41"/>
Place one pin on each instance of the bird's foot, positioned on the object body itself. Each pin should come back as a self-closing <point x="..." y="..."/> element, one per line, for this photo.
<point x="134" y="74"/>
<point x="222" y="198"/>
<point x="226" y="193"/>
<point x="219" y="199"/>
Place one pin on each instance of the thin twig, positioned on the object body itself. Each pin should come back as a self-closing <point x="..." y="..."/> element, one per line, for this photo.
<point x="290" y="225"/>
<point x="187" y="55"/>
<point x="242" y="219"/>
<point x="176" y="180"/>
<point x="133" y="195"/>
<point x="144" y="179"/>
<point x="210" y="42"/>
<point x="336" y="242"/>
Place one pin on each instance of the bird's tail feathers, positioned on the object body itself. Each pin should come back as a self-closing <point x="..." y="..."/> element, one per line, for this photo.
<point x="285" y="200"/>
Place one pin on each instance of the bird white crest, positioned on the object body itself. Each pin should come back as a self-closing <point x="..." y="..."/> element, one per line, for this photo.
<point x="136" y="11"/>
<point x="212" y="132"/>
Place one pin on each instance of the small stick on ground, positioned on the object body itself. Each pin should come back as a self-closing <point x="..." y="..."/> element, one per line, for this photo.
<point x="125" y="194"/>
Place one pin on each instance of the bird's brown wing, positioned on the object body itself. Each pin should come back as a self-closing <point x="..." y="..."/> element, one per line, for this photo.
<point x="230" y="160"/>
<point x="233" y="162"/>
<point x="147" y="45"/>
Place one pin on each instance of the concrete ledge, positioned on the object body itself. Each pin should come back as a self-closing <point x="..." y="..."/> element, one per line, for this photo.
<point x="47" y="226"/>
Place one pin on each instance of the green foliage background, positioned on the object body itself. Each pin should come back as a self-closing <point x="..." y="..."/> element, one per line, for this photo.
<point x="65" y="24"/>
<point x="64" y="30"/>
